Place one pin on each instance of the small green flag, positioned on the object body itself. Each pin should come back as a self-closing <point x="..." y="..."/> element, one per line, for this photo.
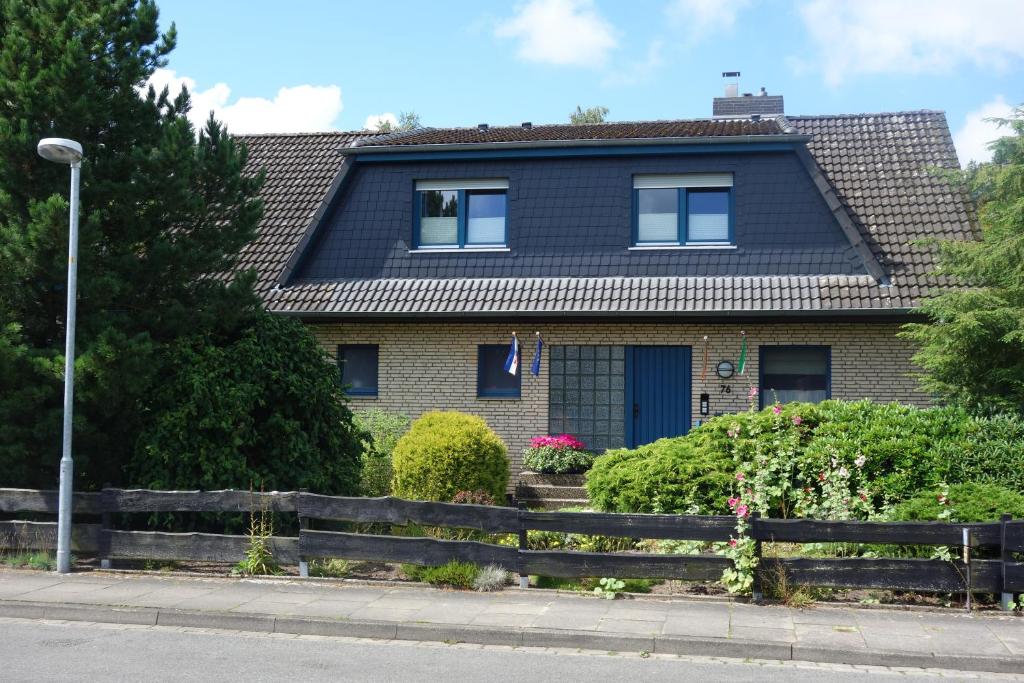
<point x="742" y="364"/>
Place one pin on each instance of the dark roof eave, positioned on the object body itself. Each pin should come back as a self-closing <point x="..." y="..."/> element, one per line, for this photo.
<point x="726" y="313"/>
<point x="548" y="144"/>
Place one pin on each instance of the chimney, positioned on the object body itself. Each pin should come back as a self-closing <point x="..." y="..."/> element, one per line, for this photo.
<point x="732" y="89"/>
<point x="740" y="107"/>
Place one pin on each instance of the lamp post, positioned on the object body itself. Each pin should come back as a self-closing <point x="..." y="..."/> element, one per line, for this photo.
<point x="62" y="151"/>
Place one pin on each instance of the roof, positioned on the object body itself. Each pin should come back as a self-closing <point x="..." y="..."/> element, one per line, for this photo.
<point x="628" y="130"/>
<point x="879" y="170"/>
<point x="300" y="168"/>
<point x="641" y="296"/>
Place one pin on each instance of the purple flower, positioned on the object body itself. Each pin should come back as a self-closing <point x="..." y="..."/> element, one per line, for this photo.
<point x="777" y="409"/>
<point x="797" y="420"/>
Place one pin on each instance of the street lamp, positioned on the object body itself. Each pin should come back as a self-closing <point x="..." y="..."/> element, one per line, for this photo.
<point x="62" y="151"/>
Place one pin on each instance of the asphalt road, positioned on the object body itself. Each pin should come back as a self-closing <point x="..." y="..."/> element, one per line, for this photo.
<point x="67" y="651"/>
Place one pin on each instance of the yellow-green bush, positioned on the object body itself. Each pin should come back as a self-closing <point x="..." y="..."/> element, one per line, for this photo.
<point x="447" y="452"/>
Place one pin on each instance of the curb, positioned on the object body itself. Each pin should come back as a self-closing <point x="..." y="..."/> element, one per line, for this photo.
<point x="489" y="635"/>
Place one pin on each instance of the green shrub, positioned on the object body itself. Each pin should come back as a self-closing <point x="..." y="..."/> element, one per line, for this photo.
<point x="669" y="475"/>
<point x="991" y="450"/>
<point x="971" y="502"/>
<point x="557" y="455"/>
<point x="266" y="408"/>
<point x="454" y="574"/>
<point x="381" y="431"/>
<point x="447" y="452"/>
<point x="901" y="445"/>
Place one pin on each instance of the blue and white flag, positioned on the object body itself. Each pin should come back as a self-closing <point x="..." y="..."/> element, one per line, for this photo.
<point x="512" y="362"/>
<point x="535" y="366"/>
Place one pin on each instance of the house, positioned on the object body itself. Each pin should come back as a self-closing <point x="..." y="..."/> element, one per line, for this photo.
<point x="647" y="255"/>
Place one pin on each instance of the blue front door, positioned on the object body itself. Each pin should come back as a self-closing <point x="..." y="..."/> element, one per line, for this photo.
<point x="657" y="392"/>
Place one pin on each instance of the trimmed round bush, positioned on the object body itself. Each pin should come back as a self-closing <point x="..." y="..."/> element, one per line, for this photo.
<point x="447" y="452"/>
<point x="669" y="475"/>
<point x="970" y="502"/>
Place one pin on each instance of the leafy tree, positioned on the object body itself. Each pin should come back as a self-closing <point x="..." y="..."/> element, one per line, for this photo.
<point x="972" y="346"/>
<point x="592" y="115"/>
<point x="165" y="211"/>
<point x="407" y="120"/>
<point x="265" y="409"/>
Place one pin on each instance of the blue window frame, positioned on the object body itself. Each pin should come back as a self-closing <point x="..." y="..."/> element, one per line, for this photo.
<point x="358" y="368"/>
<point x="447" y="216"/>
<point x="794" y="373"/>
<point x="492" y="380"/>
<point x="681" y="210"/>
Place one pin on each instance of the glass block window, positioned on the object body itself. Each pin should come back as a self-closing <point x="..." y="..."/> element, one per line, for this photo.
<point x="586" y="394"/>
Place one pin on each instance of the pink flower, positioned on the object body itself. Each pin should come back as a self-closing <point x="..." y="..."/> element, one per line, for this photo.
<point x="733" y="502"/>
<point x="797" y="420"/>
<point x="742" y="510"/>
<point x="740" y="476"/>
<point x="863" y="496"/>
<point x="752" y="394"/>
<point x="562" y="441"/>
<point x="732" y="542"/>
<point x="777" y="409"/>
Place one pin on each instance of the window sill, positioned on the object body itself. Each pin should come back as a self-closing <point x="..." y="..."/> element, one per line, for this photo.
<point x="679" y="247"/>
<point x="457" y="250"/>
<point x="499" y="398"/>
<point x="361" y="396"/>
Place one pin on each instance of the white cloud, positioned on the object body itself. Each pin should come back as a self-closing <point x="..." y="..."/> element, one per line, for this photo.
<point x="297" y="109"/>
<point x="972" y="138"/>
<point x="640" y="71"/>
<point x="702" y="18"/>
<point x="373" y="121"/>
<point x="560" y="32"/>
<point x="910" y="36"/>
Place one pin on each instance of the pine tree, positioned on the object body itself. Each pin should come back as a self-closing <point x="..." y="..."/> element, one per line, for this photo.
<point x="972" y="347"/>
<point x="164" y="212"/>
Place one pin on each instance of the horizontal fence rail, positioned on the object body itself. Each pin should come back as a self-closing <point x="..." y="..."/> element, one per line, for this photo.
<point x="1003" y="575"/>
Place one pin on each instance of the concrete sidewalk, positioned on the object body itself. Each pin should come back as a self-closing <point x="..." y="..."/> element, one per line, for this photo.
<point x="990" y="642"/>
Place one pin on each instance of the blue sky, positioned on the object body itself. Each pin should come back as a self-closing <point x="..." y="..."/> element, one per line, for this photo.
<point x="310" y="65"/>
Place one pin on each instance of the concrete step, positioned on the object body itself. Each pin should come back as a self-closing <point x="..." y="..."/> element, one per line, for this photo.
<point x="535" y="478"/>
<point x="545" y="491"/>
<point x="551" y="503"/>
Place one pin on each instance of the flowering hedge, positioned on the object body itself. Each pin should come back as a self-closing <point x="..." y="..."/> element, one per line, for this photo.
<point x="562" y="454"/>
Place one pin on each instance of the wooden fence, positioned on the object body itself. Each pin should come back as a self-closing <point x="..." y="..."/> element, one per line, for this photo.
<point x="1004" y="573"/>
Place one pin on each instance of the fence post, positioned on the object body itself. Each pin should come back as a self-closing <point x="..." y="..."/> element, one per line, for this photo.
<point x="967" y="564"/>
<point x="757" y="590"/>
<point x="524" y="579"/>
<point x="1005" y="599"/>
<point x="303" y="524"/>
<point x="106" y="506"/>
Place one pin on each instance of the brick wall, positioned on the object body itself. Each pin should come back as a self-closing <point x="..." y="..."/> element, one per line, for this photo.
<point x="432" y="366"/>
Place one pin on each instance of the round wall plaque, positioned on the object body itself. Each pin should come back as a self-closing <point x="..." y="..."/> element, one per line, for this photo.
<point x="725" y="369"/>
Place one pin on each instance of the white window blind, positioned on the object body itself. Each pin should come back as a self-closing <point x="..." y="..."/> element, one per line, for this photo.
<point x="464" y="184"/>
<point x="645" y="182"/>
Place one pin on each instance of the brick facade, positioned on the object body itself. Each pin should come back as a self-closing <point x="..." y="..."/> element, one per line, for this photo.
<point x="433" y="366"/>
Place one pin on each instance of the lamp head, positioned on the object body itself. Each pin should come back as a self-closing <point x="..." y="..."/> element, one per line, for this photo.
<point x="60" y="150"/>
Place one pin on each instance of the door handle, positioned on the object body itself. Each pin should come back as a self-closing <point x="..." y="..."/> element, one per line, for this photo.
<point x="636" y="410"/>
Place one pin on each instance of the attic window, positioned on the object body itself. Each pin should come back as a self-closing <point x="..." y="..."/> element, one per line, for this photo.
<point x="461" y="214"/>
<point x="690" y="209"/>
